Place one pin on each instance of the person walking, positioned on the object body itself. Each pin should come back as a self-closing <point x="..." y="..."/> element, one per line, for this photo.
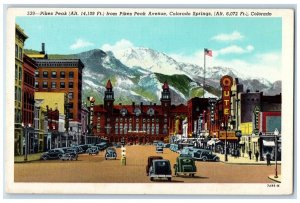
<point x="256" y="156"/>
<point x="250" y="153"/>
<point x="268" y="156"/>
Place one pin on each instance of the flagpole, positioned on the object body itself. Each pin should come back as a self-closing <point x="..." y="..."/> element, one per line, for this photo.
<point x="204" y="74"/>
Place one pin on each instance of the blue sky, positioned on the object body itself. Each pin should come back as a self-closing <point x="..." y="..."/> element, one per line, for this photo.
<point x="234" y="41"/>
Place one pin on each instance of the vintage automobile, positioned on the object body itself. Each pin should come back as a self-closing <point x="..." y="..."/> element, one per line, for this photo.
<point x="102" y="146"/>
<point x="93" y="150"/>
<point x="150" y="159"/>
<point x="69" y="157"/>
<point x="205" y="155"/>
<point x="71" y="151"/>
<point x="110" y="153"/>
<point x="159" y="149"/>
<point x="160" y="168"/>
<point x="52" y="154"/>
<point x="185" y="166"/>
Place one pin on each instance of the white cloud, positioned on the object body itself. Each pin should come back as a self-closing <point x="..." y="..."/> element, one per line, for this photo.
<point x="234" y="49"/>
<point x="235" y="35"/>
<point x="119" y="45"/>
<point x="264" y="65"/>
<point x="80" y="43"/>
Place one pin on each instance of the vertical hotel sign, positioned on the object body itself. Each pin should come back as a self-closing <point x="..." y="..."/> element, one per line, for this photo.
<point x="226" y="83"/>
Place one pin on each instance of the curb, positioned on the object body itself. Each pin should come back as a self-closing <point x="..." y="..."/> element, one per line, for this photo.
<point x="241" y="163"/>
<point x="272" y="178"/>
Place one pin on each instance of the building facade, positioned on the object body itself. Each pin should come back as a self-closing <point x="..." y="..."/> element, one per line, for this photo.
<point x="138" y="122"/>
<point x="63" y="76"/>
<point x="20" y="38"/>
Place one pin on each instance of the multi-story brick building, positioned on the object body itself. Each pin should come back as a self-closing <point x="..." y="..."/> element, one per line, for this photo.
<point x="138" y="123"/>
<point x="29" y="68"/>
<point x="65" y="76"/>
<point x="20" y="38"/>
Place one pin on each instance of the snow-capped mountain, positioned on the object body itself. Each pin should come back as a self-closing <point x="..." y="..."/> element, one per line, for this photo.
<point x="137" y="74"/>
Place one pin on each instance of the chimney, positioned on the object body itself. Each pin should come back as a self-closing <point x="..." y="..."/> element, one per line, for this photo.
<point x="133" y="104"/>
<point x="43" y="48"/>
<point x="154" y="104"/>
<point x="256" y="90"/>
<point x="248" y="90"/>
<point x="120" y="104"/>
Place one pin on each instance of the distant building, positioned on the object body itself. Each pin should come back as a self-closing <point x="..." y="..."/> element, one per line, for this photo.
<point x="138" y="123"/>
<point x="20" y="38"/>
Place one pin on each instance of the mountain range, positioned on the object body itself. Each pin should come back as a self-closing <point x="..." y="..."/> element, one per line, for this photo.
<point x="137" y="74"/>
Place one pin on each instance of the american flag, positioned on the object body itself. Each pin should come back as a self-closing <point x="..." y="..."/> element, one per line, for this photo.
<point x="208" y="52"/>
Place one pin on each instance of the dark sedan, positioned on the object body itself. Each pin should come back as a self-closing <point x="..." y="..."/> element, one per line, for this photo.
<point x="52" y="154"/>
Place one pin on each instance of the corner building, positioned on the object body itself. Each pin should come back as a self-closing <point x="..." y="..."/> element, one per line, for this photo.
<point x="138" y="123"/>
<point x="64" y="76"/>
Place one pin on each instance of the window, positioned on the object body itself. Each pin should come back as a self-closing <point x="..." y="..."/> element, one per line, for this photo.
<point x="71" y="105"/>
<point x="16" y="72"/>
<point x="71" y="95"/>
<point x="17" y="51"/>
<point x="71" y="74"/>
<point x="45" y="84"/>
<point x="45" y="74"/>
<point x="157" y="129"/>
<point x="71" y="84"/>
<point x="53" y="74"/>
<point x="20" y="73"/>
<point x="36" y="84"/>
<point x="20" y="53"/>
<point x="36" y="73"/>
<point x="62" y="74"/>
<point x="152" y="129"/>
<point x="62" y="85"/>
<point x="53" y="85"/>
<point x="16" y="92"/>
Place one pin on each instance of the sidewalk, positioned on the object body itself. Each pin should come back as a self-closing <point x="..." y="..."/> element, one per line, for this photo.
<point x="243" y="160"/>
<point x="272" y="177"/>
<point x="30" y="157"/>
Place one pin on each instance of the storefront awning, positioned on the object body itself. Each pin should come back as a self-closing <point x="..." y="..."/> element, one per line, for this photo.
<point x="268" y="143"/>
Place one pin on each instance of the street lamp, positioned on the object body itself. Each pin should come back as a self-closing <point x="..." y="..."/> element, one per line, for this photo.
<point x="26" y="128"/>
<point x="224" y="126"/>
<point x="276" y="133"/>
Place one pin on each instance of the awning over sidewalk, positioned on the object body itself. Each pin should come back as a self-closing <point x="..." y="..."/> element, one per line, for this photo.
<point x="268" y="143"/>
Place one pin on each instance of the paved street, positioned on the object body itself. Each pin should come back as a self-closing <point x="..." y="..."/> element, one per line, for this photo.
<point x="95" y="169"/>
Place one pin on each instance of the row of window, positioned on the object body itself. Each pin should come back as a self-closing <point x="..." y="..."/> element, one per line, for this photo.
<point x="62" y="74"/>
<point x="138" y="120"/>
<point x="18" y="73"/>
<point x="54" y="84"/>
<point x="19" y="52"/>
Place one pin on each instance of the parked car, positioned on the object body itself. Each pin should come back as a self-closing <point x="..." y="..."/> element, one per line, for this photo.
<point x="93" y="150"/>
<point x="71" y="151"/>
<point x="205" y="155"/>
<point x="110" y="153"/>
<point x="102" y="146"/>
<point x="68" y="156"/>
<point x="85" y="147"/>
<point x="52" y="154"/>
<point x="160" y="168"/>
<point x="185" y="166"/>
<point x="118" y="145"/>
<point x="155" y="142"/>
<point x="149" y="163"/>
<point x="78" y="149"/>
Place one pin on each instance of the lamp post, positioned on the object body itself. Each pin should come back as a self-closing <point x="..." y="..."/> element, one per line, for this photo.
<point x="276" y="133"/>
<point x="224" y="126"/>
<point x="26" y="129"/>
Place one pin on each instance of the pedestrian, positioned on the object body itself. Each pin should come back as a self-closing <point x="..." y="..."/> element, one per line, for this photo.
<point x="256" y="156"/>
<point x="268" y="156"/>
<point x="250" y="153"/>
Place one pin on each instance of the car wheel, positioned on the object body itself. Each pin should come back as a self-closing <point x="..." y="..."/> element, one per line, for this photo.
<point x="44" y="158"/>
<point x="217" y="159"/>
<point x="204" y="159"/>
<point x="169" y="179"/>
<point x="151" y="179"/>
<point x="193" y="175"/>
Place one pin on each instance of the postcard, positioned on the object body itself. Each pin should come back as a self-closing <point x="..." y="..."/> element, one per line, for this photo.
<point x="149" y="101"/>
